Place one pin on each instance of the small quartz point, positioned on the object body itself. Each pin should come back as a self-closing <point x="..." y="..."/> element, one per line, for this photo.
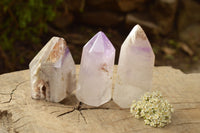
<point x="53" y="72"/>
<point x="135" y="68"/>
<point x="96" y="71"/>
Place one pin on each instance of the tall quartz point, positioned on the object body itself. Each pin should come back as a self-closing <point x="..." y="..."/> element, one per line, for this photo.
<point x="135" y="68"/>
<point x="96" y="71"/>
<point x="53" y="72"/>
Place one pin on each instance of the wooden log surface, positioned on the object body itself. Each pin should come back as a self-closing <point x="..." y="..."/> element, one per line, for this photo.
<point x="19" y="113"/>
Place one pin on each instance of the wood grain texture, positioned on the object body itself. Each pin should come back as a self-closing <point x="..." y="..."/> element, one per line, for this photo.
<point x="21" y="114"/>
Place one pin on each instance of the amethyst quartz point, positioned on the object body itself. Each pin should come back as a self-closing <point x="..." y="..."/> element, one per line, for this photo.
<point x="135" y="68"/>
<point x="96" y="71"/>
<point x="52" y="71"/>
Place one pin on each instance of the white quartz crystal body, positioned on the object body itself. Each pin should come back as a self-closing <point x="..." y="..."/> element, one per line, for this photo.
<point x="96" y="71"/>
<point x="53" y="72"/>
<point x="135" y="68"/>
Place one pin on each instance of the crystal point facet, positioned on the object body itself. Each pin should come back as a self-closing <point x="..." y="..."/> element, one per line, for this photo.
<point x="135" y="68"/>
<point x="96" y="71"/>
<point x="53" y="72"/>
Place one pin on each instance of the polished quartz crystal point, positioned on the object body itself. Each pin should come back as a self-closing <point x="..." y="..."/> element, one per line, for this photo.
<point x="53" y="72"/>
<point x="135" y="68"/>
<point x="96" y="71"/>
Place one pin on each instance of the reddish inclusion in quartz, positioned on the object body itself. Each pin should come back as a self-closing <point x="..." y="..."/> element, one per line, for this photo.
<point x="53" y="72"/>
<point x="58" y="51"/>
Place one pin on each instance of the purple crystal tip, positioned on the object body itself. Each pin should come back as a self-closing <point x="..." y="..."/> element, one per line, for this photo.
<point x="99" y="43"/>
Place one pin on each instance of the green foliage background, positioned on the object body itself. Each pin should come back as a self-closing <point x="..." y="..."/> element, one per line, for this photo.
<point x="24" y="19"/>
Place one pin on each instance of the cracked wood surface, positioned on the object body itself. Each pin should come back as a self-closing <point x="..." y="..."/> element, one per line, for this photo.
<point x="21" y="114"/>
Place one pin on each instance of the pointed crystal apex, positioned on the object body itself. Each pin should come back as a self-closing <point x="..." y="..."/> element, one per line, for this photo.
<point x="135" y="68"/>
<point x="96" y="71"/>
<point x="99" y="43"/>
<point x="138" y="32"/>
<point x="96" y="47"/>
<point x="138" y="42"/>
<point x="53" y="72"/>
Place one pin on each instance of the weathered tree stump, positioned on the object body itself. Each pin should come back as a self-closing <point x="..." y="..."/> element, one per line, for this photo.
<point x="19" y="113"/>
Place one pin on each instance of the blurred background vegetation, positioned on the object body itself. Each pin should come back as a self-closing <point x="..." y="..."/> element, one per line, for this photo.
<point x="172" y="26"/>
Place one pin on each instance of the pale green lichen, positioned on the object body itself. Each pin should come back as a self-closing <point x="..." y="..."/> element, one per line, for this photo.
<point x="155" y="110"/>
